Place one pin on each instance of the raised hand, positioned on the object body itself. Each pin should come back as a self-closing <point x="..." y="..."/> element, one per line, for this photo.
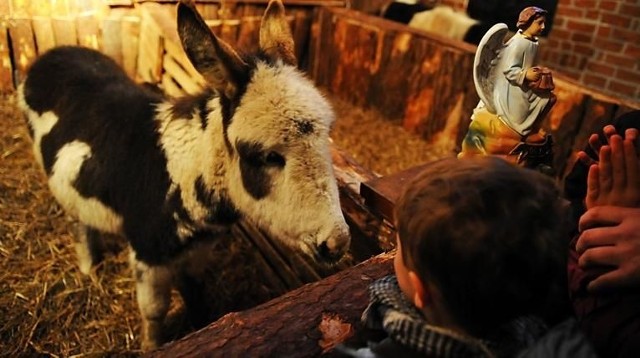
<point x="612" y="241"/>
<point x="615" y="179"/>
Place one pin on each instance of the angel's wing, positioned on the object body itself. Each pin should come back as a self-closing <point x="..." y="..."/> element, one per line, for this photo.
<point x="485" y="61"/>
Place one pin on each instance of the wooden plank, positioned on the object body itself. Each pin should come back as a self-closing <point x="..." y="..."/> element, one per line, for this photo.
<point x="382" y="194"/>
<point x="23" y="45"/>
<point x="6" y="75"/>
<point x="170" y="87"/>
<point x="88" y="30"/>
<point x="180" y="75"/>
<point x="248" y="33"/>
<point x="64" y="30"/>
<point x="43" y="31"/>
<point x="339" y="3"/>
<point x="112" y="38"/>
<point x="151" y="47"/>
<point x="291" y="325"/>
<point x="130" y="44"/>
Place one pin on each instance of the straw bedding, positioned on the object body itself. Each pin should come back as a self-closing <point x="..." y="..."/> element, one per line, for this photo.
<point x="48" y="307"/>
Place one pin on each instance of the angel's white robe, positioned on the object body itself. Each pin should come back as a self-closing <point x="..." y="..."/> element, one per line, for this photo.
<point x="515" y="103"/>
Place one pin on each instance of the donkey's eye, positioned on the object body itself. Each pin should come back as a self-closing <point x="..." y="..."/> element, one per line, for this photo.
<point x="274" y="159"/>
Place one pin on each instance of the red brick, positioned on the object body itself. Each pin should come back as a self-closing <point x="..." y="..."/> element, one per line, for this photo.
<point x="569" y="12"/>
<point x="583" y="50"/>
<point x="559" y="34"/>
<point x="608" y="5"/>
<point x="585" y="3"/>
<point x="626" y="35"/>
<point x="625" y="89"/>
<point x="601" y="69"/>
<point x="594" y="81"/>
<point x="629" y="76"/>
<point x="581" y="26"/>
<point x="608" y="45"/>
<point x="632" y="50"/>
<point x="578" y="37"/>
<point x="617" y="20"/>
<point x="618" y="60"/>
<point x="604" y="31"/>
<point x="592" y="14"/>
<point x="631" y="10"/>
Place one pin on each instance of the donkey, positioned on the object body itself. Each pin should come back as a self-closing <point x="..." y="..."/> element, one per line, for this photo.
<point x="168" y="173"/>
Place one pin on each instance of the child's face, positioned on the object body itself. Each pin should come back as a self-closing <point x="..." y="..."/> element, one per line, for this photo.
<point x="402" y="272"/>
<point x="536" y="27"/>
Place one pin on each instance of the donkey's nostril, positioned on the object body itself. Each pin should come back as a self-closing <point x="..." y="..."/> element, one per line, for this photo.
<point x="334" y="248"/>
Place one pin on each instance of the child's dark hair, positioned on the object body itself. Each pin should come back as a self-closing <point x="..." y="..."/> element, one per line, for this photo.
<point x="489" y="235"/>
<point x="528" y="15"/>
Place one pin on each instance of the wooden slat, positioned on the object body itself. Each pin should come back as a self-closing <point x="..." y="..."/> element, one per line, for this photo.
<point x="170" y="87"/>
<point x="339" y="3"/>
<point x="180" y="75"/>
<point x="88" y="30"/>
<point x="65" y="30"/>
<point x="112" y="38"/>
<point x="6" y="76"/>
<point x="23" y="45"/>
<point x="248" y="35"/>
<point x="130" y="44"/>
<point x="43" y="32"/>
<point x="151" y="48"/>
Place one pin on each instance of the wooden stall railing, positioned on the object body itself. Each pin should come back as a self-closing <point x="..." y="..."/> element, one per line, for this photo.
<point x="425" y="81"/>
<point x="163" y="61"/>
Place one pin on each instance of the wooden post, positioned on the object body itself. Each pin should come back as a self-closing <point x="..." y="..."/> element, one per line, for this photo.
<point x="88" y="30"/>
<point x="24" y="49"/>
<point x="6" y="76"/>
<point x="65" y="30"/>
<point x="112" y="38"/>
<point x="130" y="44"/>
<point x="43" y="31"/>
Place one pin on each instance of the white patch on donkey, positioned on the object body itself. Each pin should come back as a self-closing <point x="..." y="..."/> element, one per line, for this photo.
<point x="170" y="175"/>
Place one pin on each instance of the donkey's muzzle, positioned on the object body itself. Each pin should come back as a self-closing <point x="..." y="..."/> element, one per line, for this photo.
<point x="335" y="245"/>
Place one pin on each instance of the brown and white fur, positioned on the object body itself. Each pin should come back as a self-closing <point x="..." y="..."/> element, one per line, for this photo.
<point x="168" y="174"/>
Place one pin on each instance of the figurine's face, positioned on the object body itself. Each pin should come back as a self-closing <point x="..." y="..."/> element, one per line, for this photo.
<point x="536" y="27"/>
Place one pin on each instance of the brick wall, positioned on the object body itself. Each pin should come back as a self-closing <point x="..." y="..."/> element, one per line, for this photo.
<point x="596" y="43"/>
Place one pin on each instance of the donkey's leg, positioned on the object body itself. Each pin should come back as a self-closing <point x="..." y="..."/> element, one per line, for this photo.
<point x="153" y="290"/>
<point x="89" y="247"/>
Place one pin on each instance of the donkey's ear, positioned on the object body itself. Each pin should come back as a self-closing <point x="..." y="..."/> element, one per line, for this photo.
<point x="275" y="35"/>
<point x="216" y="60"/>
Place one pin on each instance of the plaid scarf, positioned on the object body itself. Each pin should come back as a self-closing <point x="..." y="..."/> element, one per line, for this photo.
<point x="391" y="311"/>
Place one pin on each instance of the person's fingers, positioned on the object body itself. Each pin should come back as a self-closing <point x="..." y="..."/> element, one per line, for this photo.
<point x="600" y="216"/>
<point x="605" y="170"/>
<point x="618" y="165"/>
<point x="632" y="164"/>
<point x="609" y="130"/>
<point x="585" y="158"/>
<point x="593" y="186"/>
<point x="608" y="281"/>
<point x="595" y="143"/>
<point x="594" y="237"/>
<point x="631" y="134"/>
<point x="600" y="256"/>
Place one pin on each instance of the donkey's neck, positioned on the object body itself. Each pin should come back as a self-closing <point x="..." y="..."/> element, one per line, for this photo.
<point x="191" y="135"/>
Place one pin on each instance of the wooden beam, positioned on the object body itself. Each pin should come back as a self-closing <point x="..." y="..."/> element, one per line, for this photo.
<point x="88" y="30"/>
<point x="130" y="44"/>
<point x="294" y="324"/>
<point x="6" y="75"/>
<point x="65" y="30"/>
<point x="43" y="31"/>
<point x="23" y="44"/>
<point x="112" y="38"/>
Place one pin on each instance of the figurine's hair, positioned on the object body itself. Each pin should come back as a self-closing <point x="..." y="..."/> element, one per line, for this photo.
<point x="489" y="235"/>
<point x="528" y="16"/>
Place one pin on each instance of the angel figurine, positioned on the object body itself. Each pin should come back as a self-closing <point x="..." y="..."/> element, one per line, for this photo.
<point x="514" y="95"/>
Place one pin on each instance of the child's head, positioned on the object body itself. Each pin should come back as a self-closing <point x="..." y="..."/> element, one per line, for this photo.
<point x="486" y="234"/>
<point x="532" y="16"/>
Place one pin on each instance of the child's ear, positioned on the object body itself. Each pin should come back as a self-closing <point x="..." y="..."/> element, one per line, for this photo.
<point x="421" y="295"/>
